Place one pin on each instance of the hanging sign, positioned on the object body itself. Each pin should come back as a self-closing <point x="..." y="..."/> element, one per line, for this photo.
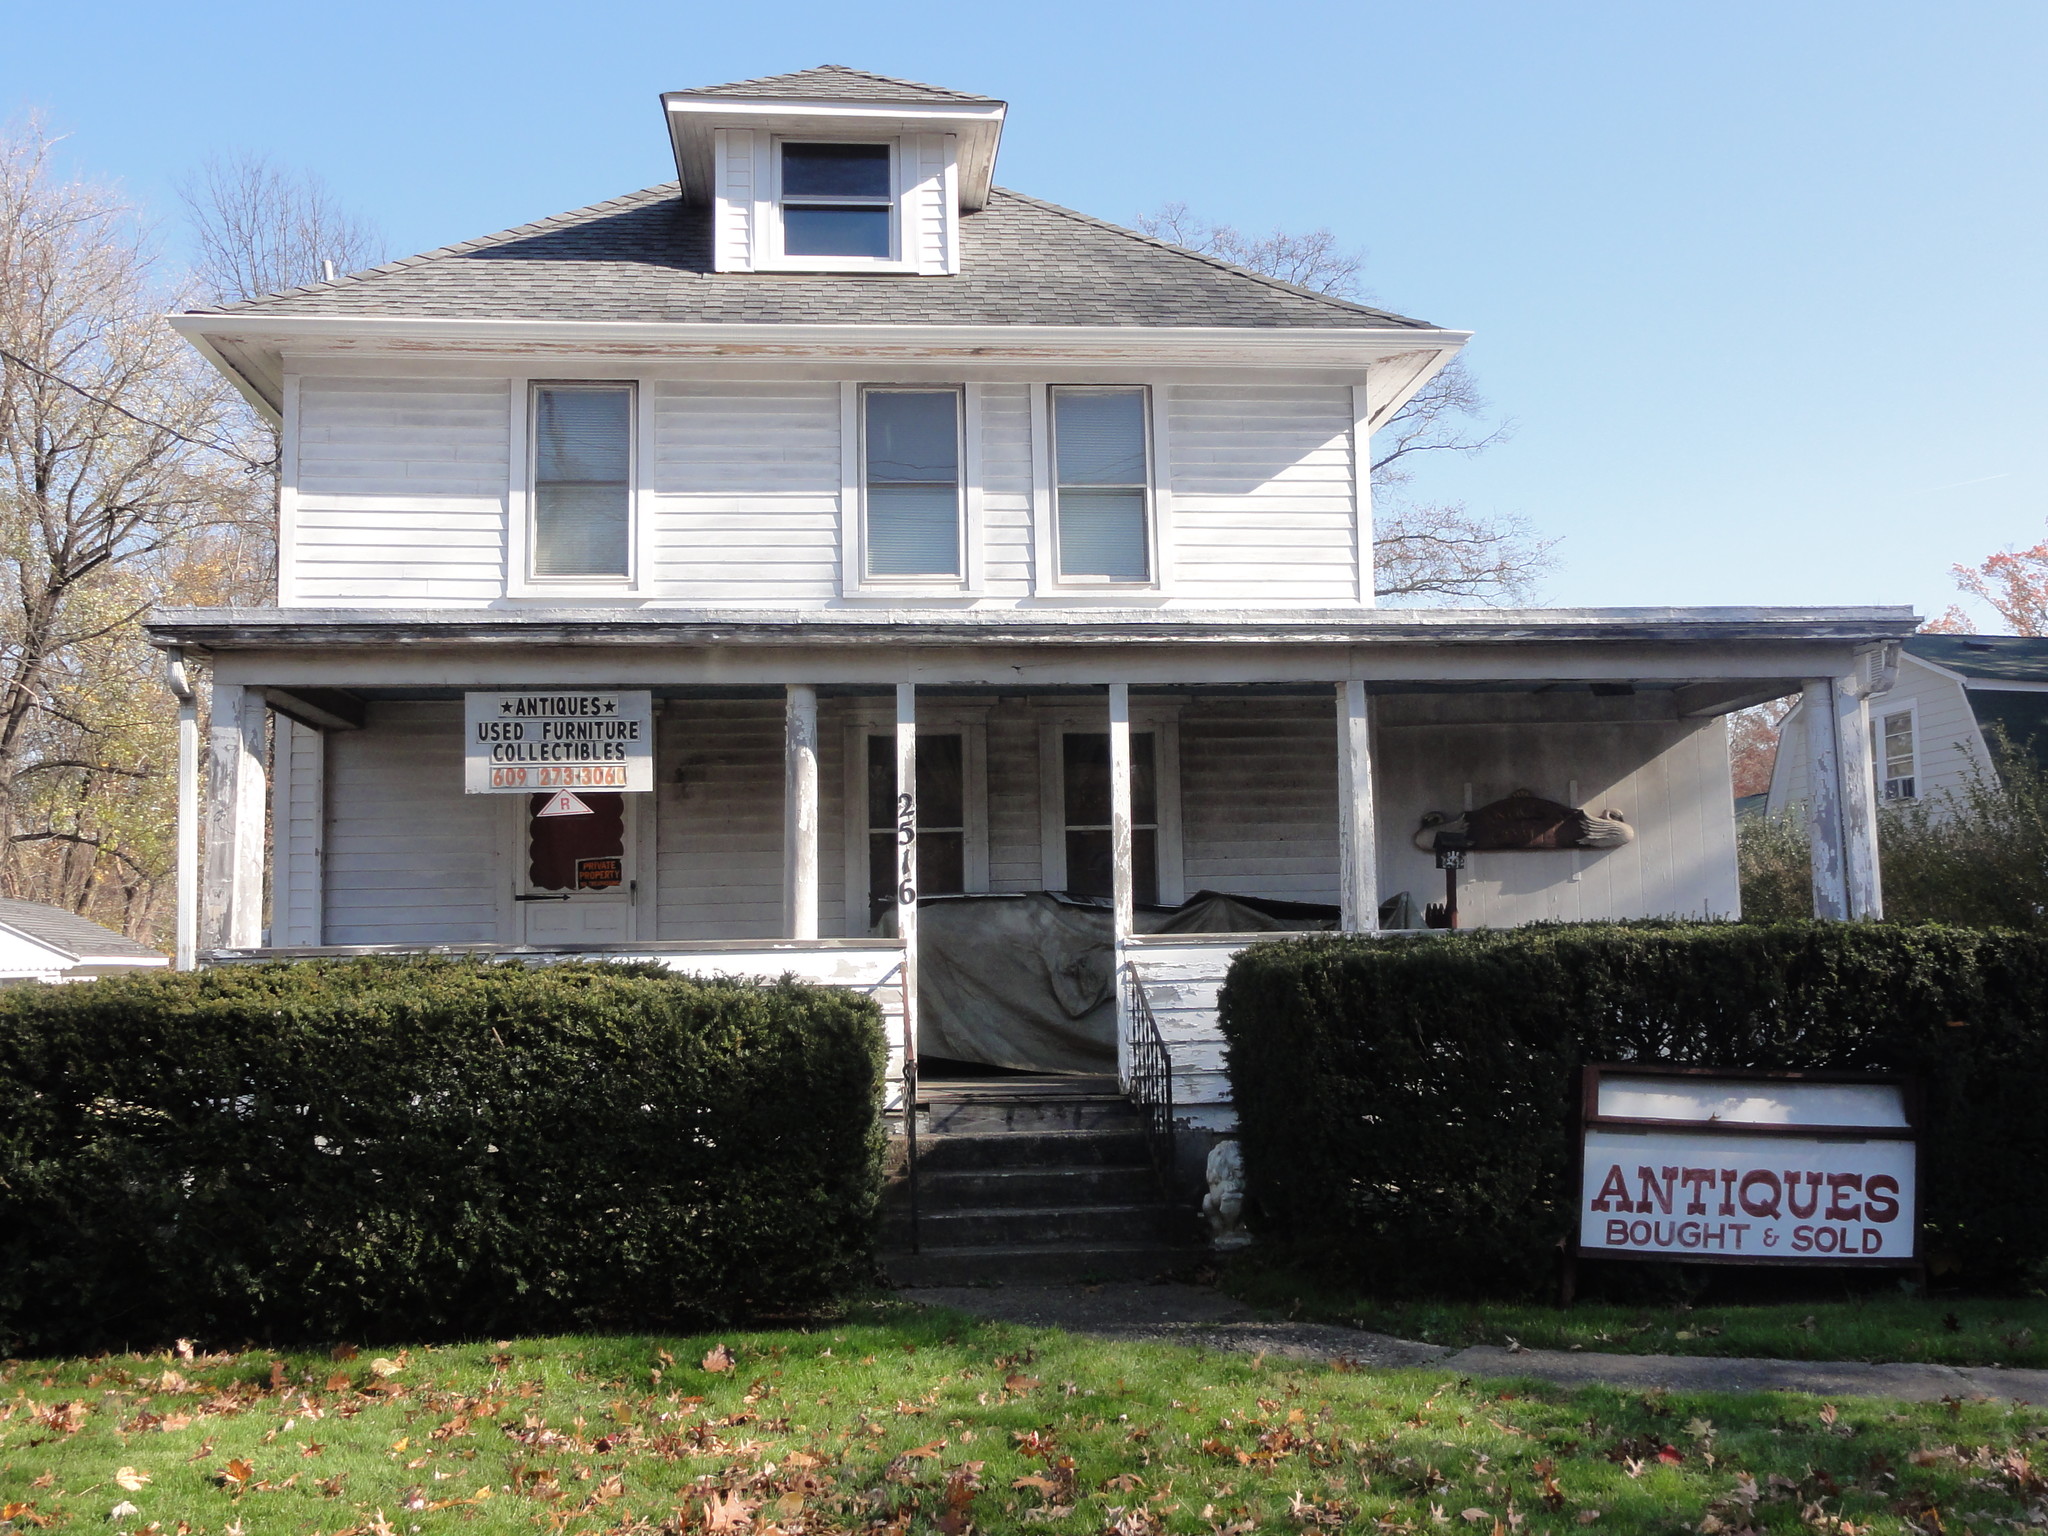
<point x="518" y="743"/>
<point x="1697" y="1165"/>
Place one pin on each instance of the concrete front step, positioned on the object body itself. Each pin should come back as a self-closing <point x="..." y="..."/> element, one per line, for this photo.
<point x="1049" y="1265"/>
<point x="1029" y="1227"/>
<point x="984" y="1188"/>
<point x="1029" y="1149"/>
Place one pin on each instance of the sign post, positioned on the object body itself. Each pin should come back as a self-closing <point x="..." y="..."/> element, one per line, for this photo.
<point x="558" y="739"/>
<point x="1700" y="1166"/>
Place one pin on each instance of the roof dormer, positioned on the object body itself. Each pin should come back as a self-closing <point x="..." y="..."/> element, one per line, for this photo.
<point x="834" y="170"/>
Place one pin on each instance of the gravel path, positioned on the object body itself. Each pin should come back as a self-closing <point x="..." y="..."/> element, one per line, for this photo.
<point x="1187" y="1314"/>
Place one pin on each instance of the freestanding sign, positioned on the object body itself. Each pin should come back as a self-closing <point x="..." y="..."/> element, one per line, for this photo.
<point x="520" y="743"/>
<point x="1706" y="1166"/>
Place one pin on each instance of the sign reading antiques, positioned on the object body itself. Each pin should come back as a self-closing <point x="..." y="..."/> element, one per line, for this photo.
<point x="1748" y="1168"/>
<point x="517" y="743"/>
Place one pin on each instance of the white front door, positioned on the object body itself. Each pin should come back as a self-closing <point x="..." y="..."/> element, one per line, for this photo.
<point x="575" y="881"/>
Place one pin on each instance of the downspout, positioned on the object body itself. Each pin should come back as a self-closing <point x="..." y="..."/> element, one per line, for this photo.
<point x="180" y="684"/>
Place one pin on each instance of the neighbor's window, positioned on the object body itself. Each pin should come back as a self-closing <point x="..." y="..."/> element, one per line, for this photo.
<point x="838" y="200"/>
<point x="911" y="440"/>
<point x="1892" y="748"/>
<point x="1099" y="463"/>
<point x="582" y="480"/>
<point x="1084" y="782"/>
<point x="941" y="817"/>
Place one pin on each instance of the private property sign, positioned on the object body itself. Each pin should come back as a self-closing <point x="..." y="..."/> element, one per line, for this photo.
<point x="519" y="743"/>
<point x="1748" y="1168"/>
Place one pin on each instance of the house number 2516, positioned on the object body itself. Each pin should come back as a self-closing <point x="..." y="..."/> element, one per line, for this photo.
<point x="906" y="843"/>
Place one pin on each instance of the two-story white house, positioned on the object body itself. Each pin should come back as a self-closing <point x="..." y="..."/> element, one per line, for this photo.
<point x="733" y="571"/>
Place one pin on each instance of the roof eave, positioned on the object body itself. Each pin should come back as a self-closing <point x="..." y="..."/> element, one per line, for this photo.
<point x="248" y="345"/>
<point x="693" y="119"/>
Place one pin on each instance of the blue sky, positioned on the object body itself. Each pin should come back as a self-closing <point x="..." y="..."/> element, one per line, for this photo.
<point x="1762" y="284"/>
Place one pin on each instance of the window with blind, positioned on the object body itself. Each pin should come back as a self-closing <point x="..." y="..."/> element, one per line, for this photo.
<point x="911" y="457"/>
<point x="941" y="818"/>
<point x="582" y="517"/>
<point x="838" y="200"/>
<point x="1892" y="752"/>
<point x="1084" y="788"/>
<point x="1102" y="483"/>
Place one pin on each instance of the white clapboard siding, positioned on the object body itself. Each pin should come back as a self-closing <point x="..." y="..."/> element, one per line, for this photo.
<point x="1669" y="779"/>
<point x="747" y="488"/>
<point x="1006" y="489"/>
<point x="298" y="832"/>
<point x="1182" y="975"/>
<point x="400" y="492"/>
<point x="718" y="849"/>
<point x="411" y="859"/>
<point x="734" y="172"/>
<point x="1948" y="743"/>
<point x="927" y="199"/>
<point x="1259" y="798"/>
<point x="1262" y="492"/>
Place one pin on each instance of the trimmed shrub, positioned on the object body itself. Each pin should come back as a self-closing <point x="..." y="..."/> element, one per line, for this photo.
<point x="1407" y="1105"/>
<point x="427" y="1148"/>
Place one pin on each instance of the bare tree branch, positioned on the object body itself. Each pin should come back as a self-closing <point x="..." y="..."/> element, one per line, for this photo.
<point x="260" y="228"/>
<point x="1439" y="552"/>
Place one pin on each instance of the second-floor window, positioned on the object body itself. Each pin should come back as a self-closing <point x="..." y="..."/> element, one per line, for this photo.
<point x="838" y="200"/>
<point x="582" y="523"/>
<point x="1102" y="484"/>
<point x="911" y="459"/>
<point x="1892" y="748"/>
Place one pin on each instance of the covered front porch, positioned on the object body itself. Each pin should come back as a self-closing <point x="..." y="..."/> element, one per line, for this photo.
<point x="820" y="783"/>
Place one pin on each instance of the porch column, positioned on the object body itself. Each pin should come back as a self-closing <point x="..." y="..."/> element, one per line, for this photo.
<point x="1121" y="887"/>
<point x="1358" y="874"/>
<point x="234" y="819"/>
<point x="906" y="864"/>
<point x="1860" y="876"/>
<point x="1824" y="798"/>
<point x="800" y="813"/>
<point x="187" y="947"/>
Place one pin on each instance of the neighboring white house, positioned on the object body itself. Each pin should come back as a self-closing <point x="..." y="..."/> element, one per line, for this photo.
<point x="42" y="943"/>
<point x="1932" y="730"/>
<point x="711" y="573"/>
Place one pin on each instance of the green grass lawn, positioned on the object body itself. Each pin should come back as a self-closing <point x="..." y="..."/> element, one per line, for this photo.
<point x="1876" y="1326"/>
<point x="896" y="1421"/>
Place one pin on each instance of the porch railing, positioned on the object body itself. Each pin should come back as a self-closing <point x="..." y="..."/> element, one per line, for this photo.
<point x="1150" y="1084"/>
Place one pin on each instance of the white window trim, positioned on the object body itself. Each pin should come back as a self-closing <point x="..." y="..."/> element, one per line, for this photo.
<point x="769" y="255"/>
<point x="1046" y="577"/>
<point x="970" y="722"/>
<point x="519" y="578"/>
<point x="1163" y="720"/>
<point x="1881" y="710"/>
<point x="854" y="582"/>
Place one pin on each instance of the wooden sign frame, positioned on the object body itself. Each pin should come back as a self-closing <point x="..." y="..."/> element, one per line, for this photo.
<point x="1589" y="1118"/>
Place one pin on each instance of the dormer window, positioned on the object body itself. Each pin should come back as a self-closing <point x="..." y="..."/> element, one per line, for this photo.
<point x="838" y="200"/>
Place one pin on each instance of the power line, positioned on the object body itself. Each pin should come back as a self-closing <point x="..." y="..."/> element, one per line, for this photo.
<point x="211" y="444"/>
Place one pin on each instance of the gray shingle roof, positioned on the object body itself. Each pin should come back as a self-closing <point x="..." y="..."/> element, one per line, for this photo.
<point x="68" y="933"/>
<point x="647" y="256"/>
<point x="835" y="82"/>
<point x="1997" y="658"/>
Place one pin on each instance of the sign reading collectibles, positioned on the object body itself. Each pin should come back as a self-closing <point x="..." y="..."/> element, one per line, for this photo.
<point x="518" y="743"/>
<point x="1748" y="1168"/>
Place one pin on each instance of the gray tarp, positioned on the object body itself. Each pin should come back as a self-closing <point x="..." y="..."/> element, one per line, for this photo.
<point x="1024" y="981"/>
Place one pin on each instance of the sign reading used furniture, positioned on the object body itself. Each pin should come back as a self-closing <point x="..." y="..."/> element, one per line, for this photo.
<point x="517" y="743"/>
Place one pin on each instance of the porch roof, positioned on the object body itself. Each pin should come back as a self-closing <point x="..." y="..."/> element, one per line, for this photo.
<point x="269" y="629"/>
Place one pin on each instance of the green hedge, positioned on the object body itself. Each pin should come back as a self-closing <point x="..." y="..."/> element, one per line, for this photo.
<point x="1406" y="1105"/>
<point x="420" y="1148"/>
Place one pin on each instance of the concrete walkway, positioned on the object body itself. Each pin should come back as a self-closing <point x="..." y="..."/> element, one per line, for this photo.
<point x="1187" y="1314"/>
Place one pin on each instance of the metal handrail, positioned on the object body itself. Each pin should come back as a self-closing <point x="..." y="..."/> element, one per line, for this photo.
<point x="1150" y="1083"/>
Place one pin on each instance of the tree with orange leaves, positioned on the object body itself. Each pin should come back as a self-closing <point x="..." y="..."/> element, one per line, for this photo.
<point x="2013" y="583"/>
